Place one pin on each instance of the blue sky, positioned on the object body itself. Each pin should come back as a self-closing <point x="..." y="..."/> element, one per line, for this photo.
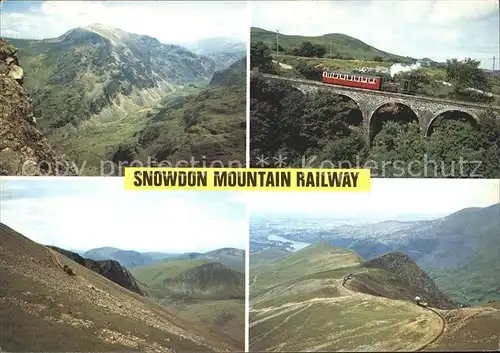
<point x="95" y="212"/>
<point x="170" y="22"/>
<point x="437" y="29"/>
<point x="389" y="199"/>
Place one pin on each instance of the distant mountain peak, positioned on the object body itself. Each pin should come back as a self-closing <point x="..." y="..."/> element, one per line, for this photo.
<point x="98" y="26"/>
<point x="81" y="35"/>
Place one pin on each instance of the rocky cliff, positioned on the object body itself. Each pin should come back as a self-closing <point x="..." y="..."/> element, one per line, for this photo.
<point x="23" y="148"/>
<point x="110" y="269"/>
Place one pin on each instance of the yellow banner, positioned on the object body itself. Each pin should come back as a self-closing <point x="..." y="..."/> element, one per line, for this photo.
<point x="238" y="179"/>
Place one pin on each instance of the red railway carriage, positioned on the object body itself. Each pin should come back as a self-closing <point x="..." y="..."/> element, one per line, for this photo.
<point x="350" y="80"/>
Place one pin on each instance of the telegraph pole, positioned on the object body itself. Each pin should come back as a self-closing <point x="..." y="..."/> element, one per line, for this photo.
<point x="494" y="65"/>
<point x="277" y="44"/>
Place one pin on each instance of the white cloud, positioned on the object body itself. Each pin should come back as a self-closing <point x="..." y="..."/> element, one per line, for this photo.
<point x="170" y="22"/>
<point x="446" y="11"/>
<point x="98" y="212"/>
<point x="387" y="199"/>
<point x="425" y="28"/>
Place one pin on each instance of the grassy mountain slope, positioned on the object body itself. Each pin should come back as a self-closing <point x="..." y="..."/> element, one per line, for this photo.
<point x="156" y="274"/>
<point x="268" y="254"/>
<point x="100" y="93"/>
<point x="300" y="305"/>
<point x="207" y="126"/>
<point x="44" y="308"/>
<point x="336" y="43"/>
<point x="473" y="235"/>
<point x="313" y="259"/>
<point x="199" y="290"/>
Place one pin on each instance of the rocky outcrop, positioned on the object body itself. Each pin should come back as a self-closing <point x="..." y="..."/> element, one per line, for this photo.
<point x="110" y="269"/>
<point x="403" y="279"/>
<point x="23" y="148"/>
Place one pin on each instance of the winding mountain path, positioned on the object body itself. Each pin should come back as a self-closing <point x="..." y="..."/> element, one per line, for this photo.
<point x="435" y="338"/>
<point x="439" y="334"/>
<point x="54" y="256"/>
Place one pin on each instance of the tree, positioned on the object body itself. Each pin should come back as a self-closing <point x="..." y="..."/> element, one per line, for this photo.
<point x="319" y="51"/>
<point x="260" y="57"/>
<point x="418" y="78"/>
<point x="309" y="50"/>
<point x="489" y="137"/>
<point x="309" y="71"/>
<point x="326" y="117"/>
<point x="466" y="74"/>
<point x="451" y="143"/>
<point x="276" y="114"/>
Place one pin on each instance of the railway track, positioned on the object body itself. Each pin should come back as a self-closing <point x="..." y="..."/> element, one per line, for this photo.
<point x="55" y="259"/>
<point x="383" y="93"/>
<point x="440" y="333"/>
<point x="441" y="317"/>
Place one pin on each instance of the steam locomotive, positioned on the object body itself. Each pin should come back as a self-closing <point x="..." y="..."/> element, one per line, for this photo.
<point x="369" y="82"/>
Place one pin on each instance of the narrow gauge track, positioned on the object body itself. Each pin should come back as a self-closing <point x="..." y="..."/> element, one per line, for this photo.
<point x="435" y="338"/>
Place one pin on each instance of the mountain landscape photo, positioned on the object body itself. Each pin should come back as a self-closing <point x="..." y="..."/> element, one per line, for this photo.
<point x="102" y="95"/>
<point x="111" y="299"/>
<point x="329" y="282"/>
<point x="432" y="98"/>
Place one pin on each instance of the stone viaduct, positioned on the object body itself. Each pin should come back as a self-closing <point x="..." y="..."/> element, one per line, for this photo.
<point x="427" y="109"/>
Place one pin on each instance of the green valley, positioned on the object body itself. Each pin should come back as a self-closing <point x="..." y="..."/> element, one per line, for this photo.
<point x="106" y="97"/>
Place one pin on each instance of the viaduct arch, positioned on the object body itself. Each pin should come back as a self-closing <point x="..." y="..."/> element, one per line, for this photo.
<point x="427" y="109"/>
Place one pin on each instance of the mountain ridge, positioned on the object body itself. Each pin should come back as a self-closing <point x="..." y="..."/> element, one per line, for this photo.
<point x="131" y="258"/>
<point x="339" y="44"/>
